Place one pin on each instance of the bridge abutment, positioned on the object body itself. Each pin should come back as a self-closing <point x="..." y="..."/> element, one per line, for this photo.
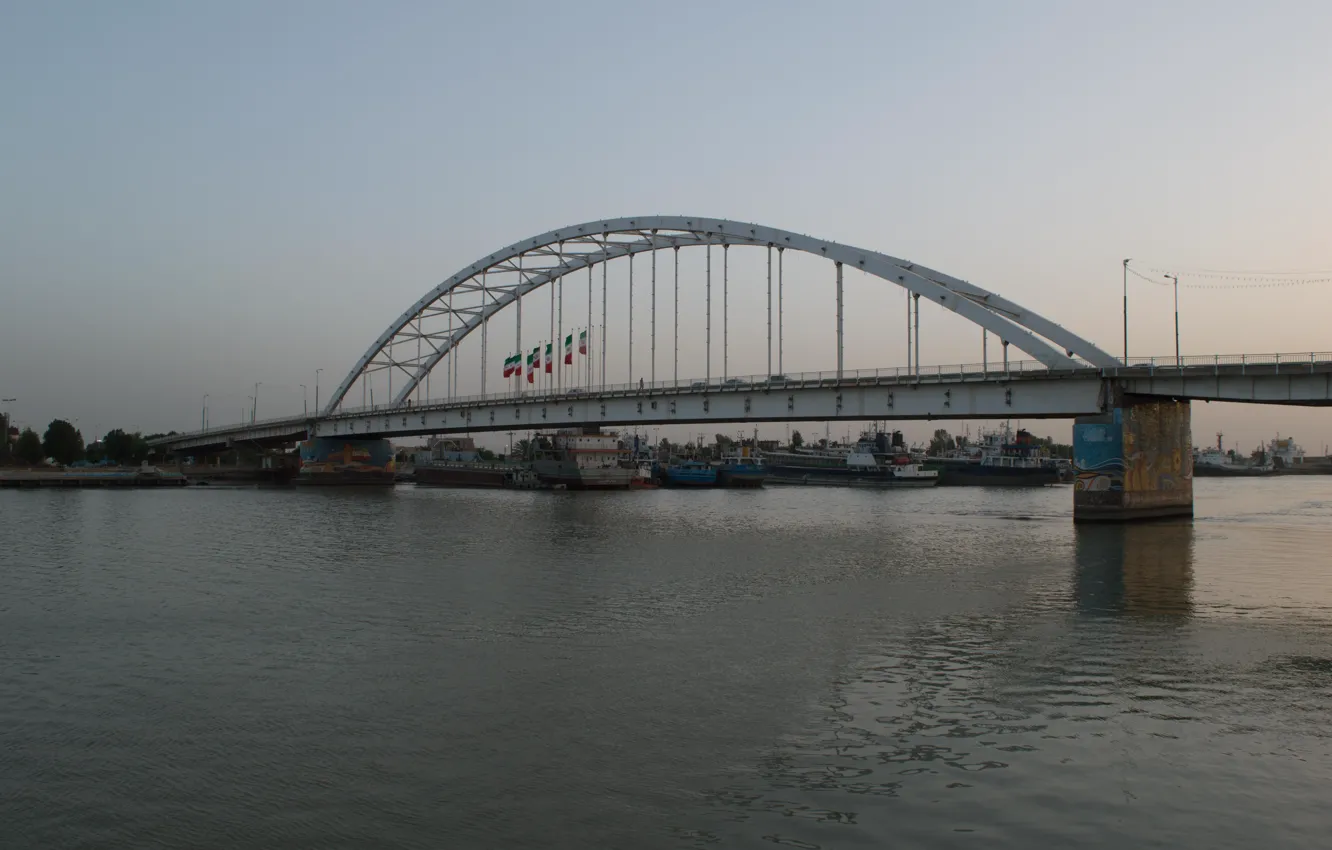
<point x="1134" y="462"/>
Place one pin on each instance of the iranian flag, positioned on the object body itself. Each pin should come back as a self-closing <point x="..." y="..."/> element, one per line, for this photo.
<point x="531" y="372"/>
<point x="568" y="349"/>
<point x="550" y="358"/>
<point x="510" y="365"/>
<point x="582" y="342"/>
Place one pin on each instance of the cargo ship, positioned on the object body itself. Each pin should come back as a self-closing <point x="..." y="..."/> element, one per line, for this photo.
<point x="455" y="462"/>
<point x="742" y="468"/>
<point x="1214" y="462"/>
<point x="1001" y="459"/>
<point x="583" y="459"/>
<point x="480" y="473"/>
<point x="689" y="473"/>
<point x="867" y="464"/>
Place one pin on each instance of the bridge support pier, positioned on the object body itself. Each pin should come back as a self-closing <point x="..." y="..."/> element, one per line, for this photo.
<point x="1134" y="462"/>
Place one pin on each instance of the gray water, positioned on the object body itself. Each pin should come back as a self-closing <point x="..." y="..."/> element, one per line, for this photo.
<point x="812" y="669"/>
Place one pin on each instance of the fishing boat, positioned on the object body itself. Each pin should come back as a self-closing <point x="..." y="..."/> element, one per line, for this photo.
<point x="858" y="467"/>
<point x="689" y="473"/>
<point x="742" y="468"/>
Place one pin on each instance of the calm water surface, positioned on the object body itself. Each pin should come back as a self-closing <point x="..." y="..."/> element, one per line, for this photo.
<point x="811" y="669"/>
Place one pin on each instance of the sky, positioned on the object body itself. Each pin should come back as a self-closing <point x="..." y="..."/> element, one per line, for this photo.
<point x="199" y="197"/>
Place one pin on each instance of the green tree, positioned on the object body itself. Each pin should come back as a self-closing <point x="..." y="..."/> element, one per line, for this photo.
<point x="28" y="449"/>
<point x="485" y="454"/>
<point x="796" y="440"/>
<point x="125" y="448"/>
<point x="939" y="443"/>
<point x="4" y="439"/>
<point x="62" y="442"/>
<point x="96" y="450"/>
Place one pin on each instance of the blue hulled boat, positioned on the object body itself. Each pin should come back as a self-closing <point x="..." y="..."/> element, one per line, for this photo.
<point x="690" y="473"/>
<point x="742" y="469"/>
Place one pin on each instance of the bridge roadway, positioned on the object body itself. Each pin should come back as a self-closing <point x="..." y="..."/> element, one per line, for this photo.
<point x="1027" y="390"/>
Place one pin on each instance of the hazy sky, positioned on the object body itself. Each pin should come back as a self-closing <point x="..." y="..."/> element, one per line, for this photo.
<point x="198" y="196"/>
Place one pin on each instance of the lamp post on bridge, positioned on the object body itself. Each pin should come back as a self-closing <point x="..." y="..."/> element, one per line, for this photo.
<point x="254" y="409"/>
<point x="305" y="401"/>
<point x="1126" y="262"/>
<point x="1175" y="279"/>
<point x="317" y="371"/>
<point x="203" y="414"/>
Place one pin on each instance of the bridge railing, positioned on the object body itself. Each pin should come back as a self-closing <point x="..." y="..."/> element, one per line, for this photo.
<point x="792" y="380"/>
<point x="1195" y="362"/>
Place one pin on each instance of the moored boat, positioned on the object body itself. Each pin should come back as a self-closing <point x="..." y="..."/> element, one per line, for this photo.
<point x="859" y="467"/>
<point x="742" y="468"/>
<point x="480" y="473"/>
<point x="582" y="459"/>
<point x="1001" y="459"/>
<point x="689" y="473"/>
<point x="1214" y="462"/>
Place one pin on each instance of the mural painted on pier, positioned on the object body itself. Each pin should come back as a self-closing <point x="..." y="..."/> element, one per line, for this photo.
<point x="1144" y="450"/>
<point x="1158" y="453"/>
<point x="322" y="455"/>
<point x="1098" y="455"/>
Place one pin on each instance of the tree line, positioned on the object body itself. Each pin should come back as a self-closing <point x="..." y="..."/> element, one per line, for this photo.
<point x="63" y="444"/>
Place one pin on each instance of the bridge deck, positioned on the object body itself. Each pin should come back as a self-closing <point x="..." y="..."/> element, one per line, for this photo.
<point x="1026" y="389"/>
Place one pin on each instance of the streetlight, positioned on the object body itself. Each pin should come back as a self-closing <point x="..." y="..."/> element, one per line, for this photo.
<point x="305" y="400"/>
<point x="317" y="371"/>
<point x="254" y="410"/>
<point x="1126" y="262"/>
<point x="1175" y="278"/>
<point x="203" y="414"/>
<point x="252" y="400"/>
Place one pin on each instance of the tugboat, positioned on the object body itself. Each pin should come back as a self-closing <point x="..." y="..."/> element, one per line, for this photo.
<point x="859" y="467"/>
<point x="690" y="473"/>
<point x="742" y="468"/>
<point x="582" y="459"/>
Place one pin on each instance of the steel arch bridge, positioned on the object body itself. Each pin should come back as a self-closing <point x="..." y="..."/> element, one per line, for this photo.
<point x="433" y="327"/>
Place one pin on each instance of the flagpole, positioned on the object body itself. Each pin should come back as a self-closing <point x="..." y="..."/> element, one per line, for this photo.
<point x="631" y="318"/>
<point x="559" y="368"/>
<point x="605" y="264"/>
<point x="589" y="325"/>
<point x="520" y="321"/>
<point x="552" y="311"/>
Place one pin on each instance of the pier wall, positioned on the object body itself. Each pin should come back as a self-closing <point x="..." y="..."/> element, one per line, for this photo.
<point x="1134" y="462"/>
<point x="346" y="460"/>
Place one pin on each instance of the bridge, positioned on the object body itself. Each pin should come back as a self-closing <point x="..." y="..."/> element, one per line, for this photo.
<point x="1064" y="375"/>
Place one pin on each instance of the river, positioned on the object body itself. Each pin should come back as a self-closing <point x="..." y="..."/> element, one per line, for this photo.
<point x="429" y="668"/>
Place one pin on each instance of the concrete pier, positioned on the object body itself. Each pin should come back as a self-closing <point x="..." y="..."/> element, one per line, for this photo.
<point x="1134" y="462"/>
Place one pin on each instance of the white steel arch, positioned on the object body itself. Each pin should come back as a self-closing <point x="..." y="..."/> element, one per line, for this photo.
<point x="532" y="263"/>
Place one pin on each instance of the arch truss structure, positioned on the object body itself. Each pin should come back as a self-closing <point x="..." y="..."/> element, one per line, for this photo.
<point x="431" y="329"/>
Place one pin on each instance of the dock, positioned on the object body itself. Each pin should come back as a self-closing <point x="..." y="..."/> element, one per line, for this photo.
<point x="80" y="478"/>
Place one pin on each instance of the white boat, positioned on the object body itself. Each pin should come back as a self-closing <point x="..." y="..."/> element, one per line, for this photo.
<point x="1213" y="462"/>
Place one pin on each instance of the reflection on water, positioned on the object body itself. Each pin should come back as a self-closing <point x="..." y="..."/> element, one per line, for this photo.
<point x="1134" y="569"/>
<point x="424" y="668"/>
